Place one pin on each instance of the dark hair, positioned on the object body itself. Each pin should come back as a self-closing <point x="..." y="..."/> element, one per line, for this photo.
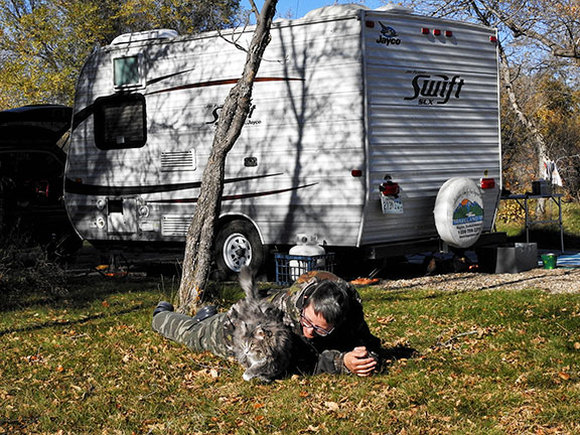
<point x="330" y="299"/>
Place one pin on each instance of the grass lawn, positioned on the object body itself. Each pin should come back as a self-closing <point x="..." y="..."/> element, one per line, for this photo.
<point x="488" y="362"/>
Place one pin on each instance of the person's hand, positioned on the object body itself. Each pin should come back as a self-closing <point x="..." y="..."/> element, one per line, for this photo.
<point x="359" y="362"/>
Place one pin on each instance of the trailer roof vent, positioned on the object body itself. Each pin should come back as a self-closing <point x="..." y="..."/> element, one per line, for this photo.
<point x="334" y="11"/>
<point x="126" y="38"/>
<point x="177" y="161"/>
<point x="394" y="9"/>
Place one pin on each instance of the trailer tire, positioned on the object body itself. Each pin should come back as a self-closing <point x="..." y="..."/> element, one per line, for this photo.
<point x="237" y="244"/>
<point x="459" y="212"/>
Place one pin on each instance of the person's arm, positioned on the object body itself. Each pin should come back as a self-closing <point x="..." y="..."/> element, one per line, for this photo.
<point x="330" y="361"/>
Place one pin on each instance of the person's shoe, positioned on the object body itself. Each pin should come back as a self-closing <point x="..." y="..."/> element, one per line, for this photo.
<point x="205" y="313"/>
<point x="162" y="306"/>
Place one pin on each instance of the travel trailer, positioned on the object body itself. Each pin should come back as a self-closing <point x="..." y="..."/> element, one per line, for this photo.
<point x="375" y="130"/>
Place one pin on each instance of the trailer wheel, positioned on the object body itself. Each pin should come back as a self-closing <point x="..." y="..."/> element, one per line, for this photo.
<point x="459" y="212"/>
<point x="237" y="244"/>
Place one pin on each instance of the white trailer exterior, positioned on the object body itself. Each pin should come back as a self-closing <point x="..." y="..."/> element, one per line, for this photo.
<point x="345" y="97"/>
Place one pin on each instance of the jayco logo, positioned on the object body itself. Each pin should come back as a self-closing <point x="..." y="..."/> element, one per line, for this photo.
<point x="438" y="88"/>
<point x="388" y="36"/>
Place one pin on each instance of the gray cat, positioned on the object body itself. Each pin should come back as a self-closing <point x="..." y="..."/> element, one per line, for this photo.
<point x="259" y="339"/>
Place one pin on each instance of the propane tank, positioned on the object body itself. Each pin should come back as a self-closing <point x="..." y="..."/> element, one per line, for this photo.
<point x="306" y="245"/>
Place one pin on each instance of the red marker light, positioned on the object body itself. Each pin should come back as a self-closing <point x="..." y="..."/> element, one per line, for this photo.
<point x="425" y="31"/>
<point x="356" y="173"/>
<point x="492" y="39"/>
<point x="436" y="32"/>
<point x="448" y="33"/>
<point x="389" y="188"/>
<point x="487" y="183"/>
<point x="370" y="24"/>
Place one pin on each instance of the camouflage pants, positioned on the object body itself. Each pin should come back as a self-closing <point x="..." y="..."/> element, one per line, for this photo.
<point x="198" y="336"/>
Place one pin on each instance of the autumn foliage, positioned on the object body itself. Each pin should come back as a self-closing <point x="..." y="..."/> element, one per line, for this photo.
<point x="43" y="44"/>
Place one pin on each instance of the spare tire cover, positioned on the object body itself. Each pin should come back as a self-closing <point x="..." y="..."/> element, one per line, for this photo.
<point x="459" y="212"/>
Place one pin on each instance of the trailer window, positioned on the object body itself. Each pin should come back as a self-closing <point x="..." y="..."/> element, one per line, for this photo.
<point x="126" y="72"/>
<point x="120" y="121"/>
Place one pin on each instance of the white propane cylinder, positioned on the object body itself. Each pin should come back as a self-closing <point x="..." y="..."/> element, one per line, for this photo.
<point x="306" y="245"/>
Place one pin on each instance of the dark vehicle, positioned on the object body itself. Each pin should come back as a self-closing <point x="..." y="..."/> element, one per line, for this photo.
<point x="32" y="159"/>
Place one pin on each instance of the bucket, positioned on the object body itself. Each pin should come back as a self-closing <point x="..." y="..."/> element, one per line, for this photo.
<point x="549" y="261"/>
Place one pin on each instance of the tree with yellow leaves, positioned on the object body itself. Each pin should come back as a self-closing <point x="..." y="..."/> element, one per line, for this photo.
<point x="43" y="43"/>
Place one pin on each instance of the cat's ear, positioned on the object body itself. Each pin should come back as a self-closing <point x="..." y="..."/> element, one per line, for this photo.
<point x="261" y="333"/>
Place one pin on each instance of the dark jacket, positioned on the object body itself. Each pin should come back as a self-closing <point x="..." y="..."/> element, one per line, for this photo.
<point x="324" y="354"/>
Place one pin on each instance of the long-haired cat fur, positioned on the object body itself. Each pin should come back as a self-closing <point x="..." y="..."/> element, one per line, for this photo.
<point x="261" y="342"/>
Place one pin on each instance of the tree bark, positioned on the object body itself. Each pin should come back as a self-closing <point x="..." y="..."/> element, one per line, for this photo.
<point x="535" y="135"/>
<point x="201" y="232"/>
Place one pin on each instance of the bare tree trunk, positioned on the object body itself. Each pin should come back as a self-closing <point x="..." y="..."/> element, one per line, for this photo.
<point x="200" y="234"/>
<point x="535" y="136"/>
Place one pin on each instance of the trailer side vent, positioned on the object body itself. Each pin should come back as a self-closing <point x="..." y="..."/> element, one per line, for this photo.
<point x="177" y="161"/>
<point x="175" y="225"/>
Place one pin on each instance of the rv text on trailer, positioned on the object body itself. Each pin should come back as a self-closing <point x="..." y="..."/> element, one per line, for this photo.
<point x="376" y="130"/>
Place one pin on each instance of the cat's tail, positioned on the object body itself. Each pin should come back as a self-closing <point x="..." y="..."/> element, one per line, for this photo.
<point x="248" y="283"/>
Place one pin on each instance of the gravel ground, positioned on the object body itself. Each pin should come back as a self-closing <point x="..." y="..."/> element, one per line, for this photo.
<point x="560" y="280"/>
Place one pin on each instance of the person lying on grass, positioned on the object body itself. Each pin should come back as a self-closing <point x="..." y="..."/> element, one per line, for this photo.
<point x="324" y="313"/>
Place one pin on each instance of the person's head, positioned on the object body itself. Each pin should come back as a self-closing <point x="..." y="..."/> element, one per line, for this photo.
<point x="325" y="307"/>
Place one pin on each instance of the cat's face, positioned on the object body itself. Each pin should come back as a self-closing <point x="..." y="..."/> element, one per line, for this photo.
<point x="260" y="341"/>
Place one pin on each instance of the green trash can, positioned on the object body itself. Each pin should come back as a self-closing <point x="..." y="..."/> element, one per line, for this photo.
<point x="549" y="260"/>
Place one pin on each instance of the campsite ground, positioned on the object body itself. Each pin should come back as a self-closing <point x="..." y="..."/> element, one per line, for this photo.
<point x="470" y="353"/>
<point x="489" y="359"/>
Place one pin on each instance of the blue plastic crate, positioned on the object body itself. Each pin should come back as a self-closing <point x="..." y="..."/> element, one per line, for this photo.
<point x="289" y="267"/>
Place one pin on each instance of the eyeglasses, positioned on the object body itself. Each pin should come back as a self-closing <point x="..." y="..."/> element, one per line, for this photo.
<point x="317" y="329"/>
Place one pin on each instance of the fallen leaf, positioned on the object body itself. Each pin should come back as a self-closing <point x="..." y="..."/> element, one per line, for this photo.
<point x="364" y="281"/>
<point x="105" y="304"/>
<point x="564" y="375"/>
<point x="577" y="346"/>
<point x="333" y="406"/>
<point x="384" y="320"/>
